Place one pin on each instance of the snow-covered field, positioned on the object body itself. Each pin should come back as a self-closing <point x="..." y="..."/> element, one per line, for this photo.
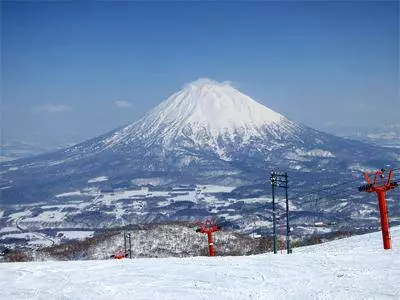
<point x="75" y="234"/>
<point x="353" y="268"/>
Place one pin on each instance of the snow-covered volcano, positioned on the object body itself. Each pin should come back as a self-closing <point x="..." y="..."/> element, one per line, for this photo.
<point x="206" y="137"/>
<point x="202" y="112"/>
<point x="206" y="133"/>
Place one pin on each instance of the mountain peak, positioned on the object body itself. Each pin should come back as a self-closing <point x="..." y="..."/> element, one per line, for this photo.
<point x="211" y="103"/>
<point x="205" y="110"/>
<point x="206" y="82"/>
<point x="202" y="82"/>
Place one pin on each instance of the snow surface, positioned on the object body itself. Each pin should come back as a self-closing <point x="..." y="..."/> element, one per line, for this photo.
<point x="75" y="234"/>
<point x="216" y="188"/>
<point x="98" y="179"/>
<point x="20" y="214"/>
<point x="353" y="268"/>
<point x="68" y="194"/>
<point x="48" y="216"/>
<point x="315" y="153"/>
<point x="8" y="229"/>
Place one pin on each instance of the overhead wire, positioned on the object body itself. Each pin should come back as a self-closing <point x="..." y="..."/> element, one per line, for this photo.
<point x="344" y="192"/>
<point x="298" y="196"/>
<point x="326" y="188"/>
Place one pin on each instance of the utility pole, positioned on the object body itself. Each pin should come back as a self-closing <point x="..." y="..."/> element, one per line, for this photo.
<point x="130" y="245"/>
<point x="287" y="216"/>
<point x="125" y="250"/>
<point x="380" y="186"/>
<point x="280" y="180"/>
<point x="127" y="239"/>
<point x="273" y="183"/>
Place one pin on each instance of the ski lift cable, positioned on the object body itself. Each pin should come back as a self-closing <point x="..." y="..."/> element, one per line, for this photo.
<point x="343" y="193"/>
<point x="298" y="196"/>
<point x="327" y="188"/>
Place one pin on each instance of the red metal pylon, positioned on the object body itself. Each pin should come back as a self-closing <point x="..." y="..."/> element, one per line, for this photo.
<point x="380" y="186"/>
<point x="208" y="228"/>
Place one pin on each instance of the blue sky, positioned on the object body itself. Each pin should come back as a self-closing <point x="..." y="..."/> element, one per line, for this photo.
<point x="82" y="69"/>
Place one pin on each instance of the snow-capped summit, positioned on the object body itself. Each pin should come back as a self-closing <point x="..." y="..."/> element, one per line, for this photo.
<point x="215" y="105"/>
<point x="202" y="110"/>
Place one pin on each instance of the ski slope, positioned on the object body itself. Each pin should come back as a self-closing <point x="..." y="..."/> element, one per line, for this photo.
<point x="353" y="268"/>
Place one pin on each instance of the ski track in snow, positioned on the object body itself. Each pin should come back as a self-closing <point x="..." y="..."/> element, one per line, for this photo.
<point x="353" y="268"/>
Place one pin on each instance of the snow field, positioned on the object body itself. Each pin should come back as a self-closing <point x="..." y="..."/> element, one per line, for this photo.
<point x="98" y="179"/>
<point x="75" y="234"/>
<point x="353" y="268"/>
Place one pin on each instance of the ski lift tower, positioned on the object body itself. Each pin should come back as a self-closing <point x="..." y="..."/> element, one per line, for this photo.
<point x="208" y="228"/>
<point x="380" y="186"/>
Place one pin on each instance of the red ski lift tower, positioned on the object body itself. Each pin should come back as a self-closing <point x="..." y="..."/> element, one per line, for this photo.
<point x="208" y="228"/>
<point x="380" y="185"/>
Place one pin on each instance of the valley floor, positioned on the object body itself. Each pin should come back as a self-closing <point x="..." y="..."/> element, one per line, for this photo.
<point x="353" y="268"/>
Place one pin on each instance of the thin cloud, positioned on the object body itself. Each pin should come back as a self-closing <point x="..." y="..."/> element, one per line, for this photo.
<point x="231" y="83"/>
<point x="52" y="108"/>
<point x="122" y="104"/>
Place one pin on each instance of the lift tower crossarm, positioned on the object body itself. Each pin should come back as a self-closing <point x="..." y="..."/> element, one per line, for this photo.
<point x="208" y="228"/>
<point x="380" y="186"/>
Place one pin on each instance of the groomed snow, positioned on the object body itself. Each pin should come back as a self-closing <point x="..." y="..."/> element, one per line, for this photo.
<point x="353" y="268"/>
